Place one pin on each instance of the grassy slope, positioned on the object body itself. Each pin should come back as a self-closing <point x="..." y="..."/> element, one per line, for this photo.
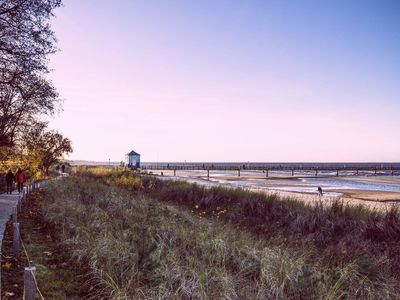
<point x="138" y="247"/>
<point x="57" y="276"/>
<point x="335" y="234"/>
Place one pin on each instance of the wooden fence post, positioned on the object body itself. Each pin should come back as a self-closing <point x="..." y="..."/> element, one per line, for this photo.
<point x="19" y="205"/>
<point x="174" y="172"/>
<point x="292" y="172"/>
<point x="208" y="174"/>
<point x="29" y="283"/>
<point x="16" y="239"/>
<point x="266" y="173"/>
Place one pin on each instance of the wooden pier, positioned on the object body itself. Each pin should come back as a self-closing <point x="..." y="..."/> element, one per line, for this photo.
<point x="307" y="169"/>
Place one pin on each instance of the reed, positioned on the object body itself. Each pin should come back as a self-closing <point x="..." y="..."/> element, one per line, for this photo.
<point x="149" y="238"/>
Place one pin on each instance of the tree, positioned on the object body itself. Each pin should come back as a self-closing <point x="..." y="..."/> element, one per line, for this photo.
<point x="43" y="148"/>
<point x="25" y="41"/>
<point x="21" y="105"/>
<point x="25" y="37"/>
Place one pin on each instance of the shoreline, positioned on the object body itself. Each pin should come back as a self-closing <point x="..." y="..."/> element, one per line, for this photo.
<point x="373" y="199"/>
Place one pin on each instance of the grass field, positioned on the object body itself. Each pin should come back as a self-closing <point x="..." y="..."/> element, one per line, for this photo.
<point x="145" y="238"/>
<point x="57" y="275"/>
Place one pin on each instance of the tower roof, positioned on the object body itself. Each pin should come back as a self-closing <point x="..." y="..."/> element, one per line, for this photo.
<point x="133" y="153"/>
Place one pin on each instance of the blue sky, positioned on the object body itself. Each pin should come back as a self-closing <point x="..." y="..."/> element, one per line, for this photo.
<point x="230" y="80"/>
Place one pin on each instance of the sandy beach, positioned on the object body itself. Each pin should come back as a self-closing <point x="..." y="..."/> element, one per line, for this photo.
<point x="380" y="192"/>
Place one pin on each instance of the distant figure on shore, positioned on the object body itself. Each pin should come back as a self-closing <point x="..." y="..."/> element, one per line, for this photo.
<point x="63" y="168"/>
<point x="10" y="178"/>
<point x="320" y="191"/>
<point x="20" y="179"/>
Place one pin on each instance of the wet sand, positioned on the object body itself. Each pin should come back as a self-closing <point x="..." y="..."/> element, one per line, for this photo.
<point x="377" y="196"/>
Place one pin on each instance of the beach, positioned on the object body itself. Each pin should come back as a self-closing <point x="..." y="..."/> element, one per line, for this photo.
<point x="380" y="192"/>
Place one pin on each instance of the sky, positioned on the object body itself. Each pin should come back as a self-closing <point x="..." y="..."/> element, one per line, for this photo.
<point x="229" y="80"/>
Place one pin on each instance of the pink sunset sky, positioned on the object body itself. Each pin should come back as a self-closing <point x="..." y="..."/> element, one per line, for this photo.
<point x="217" y="80"/>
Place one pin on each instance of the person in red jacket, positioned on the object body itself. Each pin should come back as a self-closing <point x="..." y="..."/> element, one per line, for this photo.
<point x="20" y="179"/>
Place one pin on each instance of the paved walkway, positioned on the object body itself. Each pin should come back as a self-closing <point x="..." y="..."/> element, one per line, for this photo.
<point x="7" y="203"/>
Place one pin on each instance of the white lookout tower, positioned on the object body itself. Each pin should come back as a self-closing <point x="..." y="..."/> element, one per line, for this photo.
<point x="132" y="159"/>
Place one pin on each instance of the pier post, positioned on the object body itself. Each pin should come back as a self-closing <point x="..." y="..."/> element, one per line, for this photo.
<point x="357" y="172"/>
<point x="208" y="174"/>
<point x="239" y="172"/>
<point x="337" y="172"/>
<point x="174" y="172"/>
<point x="316" y="172"/>
<point x="292" y="172"/>
<point x="266" y="173"/>
<point x="375" y="171"/>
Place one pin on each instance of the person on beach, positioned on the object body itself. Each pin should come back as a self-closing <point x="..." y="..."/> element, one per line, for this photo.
<point x="10" y="180"/>
<point x="319" y="191"/>
<point x="20" y="179"/>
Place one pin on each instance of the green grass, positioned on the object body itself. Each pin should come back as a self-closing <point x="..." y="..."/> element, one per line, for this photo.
<point x="58" y="277"/>
<point x="206" y="246"/>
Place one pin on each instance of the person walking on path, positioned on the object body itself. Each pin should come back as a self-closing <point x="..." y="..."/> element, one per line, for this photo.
<point x="10" y="178"/>
<point x="320" y="191"/>
<point x="20" y="179"/>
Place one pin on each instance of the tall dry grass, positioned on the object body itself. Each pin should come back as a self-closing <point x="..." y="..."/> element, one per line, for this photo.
<point x="140" y="248"/>
<point x="335" y="233"/>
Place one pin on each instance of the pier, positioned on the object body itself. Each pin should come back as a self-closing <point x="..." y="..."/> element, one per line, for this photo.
<point x="288" y="169"/>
